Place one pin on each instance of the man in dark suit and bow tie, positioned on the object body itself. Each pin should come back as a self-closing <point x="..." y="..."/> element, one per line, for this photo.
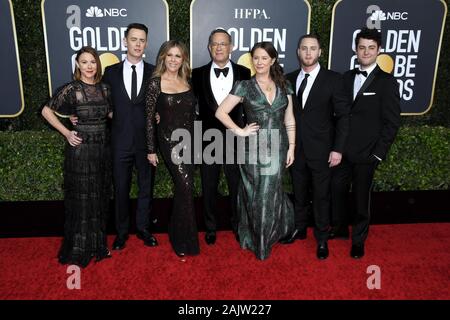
<point x="374" y="122"/>
<point x="128" y="81"/>
<point x="321" y="113"/>
<point x="212" y="83"/>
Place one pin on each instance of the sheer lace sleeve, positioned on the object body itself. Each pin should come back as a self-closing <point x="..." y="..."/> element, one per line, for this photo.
<point x="196" y="107"/>
<point x="153" y="91"/>
<point x="107" y="93"/>
<point x="63" y="100"/>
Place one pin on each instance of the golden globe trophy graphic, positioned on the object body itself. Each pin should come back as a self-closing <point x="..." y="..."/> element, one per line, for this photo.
<point x="385" y="62"/>
<point x="246" y="61"/>
<point x="108" y="59"/>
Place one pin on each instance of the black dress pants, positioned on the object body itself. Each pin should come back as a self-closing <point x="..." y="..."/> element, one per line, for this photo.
<point x="210" y="174"/>
<point x="123" y="163"/>
<point x="360" y="177"/>
<point x="316" y="172"/>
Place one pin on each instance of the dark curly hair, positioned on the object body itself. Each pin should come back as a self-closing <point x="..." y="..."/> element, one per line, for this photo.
<point x="371" y="34"/>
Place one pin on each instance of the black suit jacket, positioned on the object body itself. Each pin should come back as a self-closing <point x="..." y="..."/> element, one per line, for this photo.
<point x="374" y="116"/>
<point x="207" y="103"/>
<point x="128" y="124"/>
<point x="322" y="126"/>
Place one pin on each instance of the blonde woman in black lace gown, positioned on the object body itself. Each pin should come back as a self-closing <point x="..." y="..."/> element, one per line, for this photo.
<point x="171" y="96"/>
<point x="87" y="167"/>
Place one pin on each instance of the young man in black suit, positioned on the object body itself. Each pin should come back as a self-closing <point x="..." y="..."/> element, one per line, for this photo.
<point x="212" y="83"/>
<point x="321" y="113"/>
<point x="374" y="122"/>
<point x="128" y="81"/>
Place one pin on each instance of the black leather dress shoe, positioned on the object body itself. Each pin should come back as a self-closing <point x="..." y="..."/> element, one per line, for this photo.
<point x="119" y="242"/>
<point x="210" y="237"/>
<point x="147" y="237"/>
<point x="298" y="234"/>
<point x="357" y="251"/>
<point x="338" y="233"/>
<point x="322" y="251"/>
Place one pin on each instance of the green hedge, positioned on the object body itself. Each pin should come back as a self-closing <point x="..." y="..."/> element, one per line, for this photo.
<point x="31" y="165"/>
<point x="31" y="168"/>
<point x="418" y="160"/>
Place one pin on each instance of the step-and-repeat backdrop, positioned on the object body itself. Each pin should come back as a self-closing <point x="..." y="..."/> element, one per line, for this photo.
<point x="412" y="32"/>
<point x="281" y="22"/>
<point x="70" y="25"/>
<point x="412" y="35"/>
<point x="11" y="92"/>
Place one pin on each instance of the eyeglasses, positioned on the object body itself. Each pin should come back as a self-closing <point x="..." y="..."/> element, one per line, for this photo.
<point x="216" y="44"/>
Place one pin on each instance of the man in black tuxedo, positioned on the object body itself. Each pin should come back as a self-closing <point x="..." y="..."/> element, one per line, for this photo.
<point x="321" y="113"/>
<point x="212" y="83"/>
<point x="374" y="122"/>
<point x="128" y="81"/>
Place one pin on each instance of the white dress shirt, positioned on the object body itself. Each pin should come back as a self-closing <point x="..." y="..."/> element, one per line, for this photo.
<point x="360" y="79"/>
<point x="222" y="85"/>
<point x="312" y="77"/>
<point x="127" y="75"/>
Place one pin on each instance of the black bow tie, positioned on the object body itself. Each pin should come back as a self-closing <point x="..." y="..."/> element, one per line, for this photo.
<point x="358" y="71"/>
<point x="217" y="71"/>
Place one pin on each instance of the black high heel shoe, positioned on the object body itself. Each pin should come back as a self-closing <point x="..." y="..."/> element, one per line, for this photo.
<point x="104" y="255"/>
<point x="181" y="255"/>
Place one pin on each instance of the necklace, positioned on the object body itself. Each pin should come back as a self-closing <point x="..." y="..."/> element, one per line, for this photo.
<point x="267" y="87"/>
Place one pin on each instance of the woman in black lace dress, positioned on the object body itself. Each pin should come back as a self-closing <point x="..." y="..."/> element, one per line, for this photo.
<point x="171" y="96"/>
<point x="87" y="167"/>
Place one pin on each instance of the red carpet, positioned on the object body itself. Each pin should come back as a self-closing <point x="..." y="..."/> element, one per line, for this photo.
<point x="414" y="262"/>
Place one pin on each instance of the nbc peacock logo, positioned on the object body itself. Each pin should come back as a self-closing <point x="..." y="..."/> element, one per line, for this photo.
<point x="378" y="15"/>
<point x="94" y="12"/>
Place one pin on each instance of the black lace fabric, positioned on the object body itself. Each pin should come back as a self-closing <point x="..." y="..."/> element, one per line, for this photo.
<point x="177" y="111"/>
<point x="87" y="172"/>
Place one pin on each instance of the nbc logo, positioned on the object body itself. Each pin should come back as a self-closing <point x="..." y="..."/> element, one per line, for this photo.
<point x="378" y="15"/>
<point x="94" y="12"/>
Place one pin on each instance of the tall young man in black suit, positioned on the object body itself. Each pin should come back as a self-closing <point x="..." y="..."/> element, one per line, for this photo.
<point x="212" y="83"/>
<point x="374" y="122"/>
<point x="321" y="113"/>
<point x="128" y="81"/>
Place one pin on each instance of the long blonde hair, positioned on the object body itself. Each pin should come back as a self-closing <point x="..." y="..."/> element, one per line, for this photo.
<point x="185" y="71"/>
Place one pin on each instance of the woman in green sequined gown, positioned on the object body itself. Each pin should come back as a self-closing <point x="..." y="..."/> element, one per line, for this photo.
<point x="265" y="213"/>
